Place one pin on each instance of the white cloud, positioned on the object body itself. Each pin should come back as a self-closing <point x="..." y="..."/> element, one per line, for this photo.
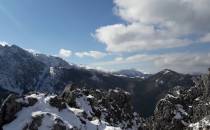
<point x="153" y="24"/>
<point x="205" y="38"/>
<point x="136" y="36"/>
<point x="119" y="59"/>
<point x="3" y="43"/>
<point x="93" y="54"/>
<point x="184" y="14"/>
<point x="181" y="62"/>
<point x="63" y="53"/>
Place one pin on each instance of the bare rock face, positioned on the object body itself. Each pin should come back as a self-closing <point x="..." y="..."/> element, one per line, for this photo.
<point x="69" y="95"/>
<point x="57" y="102"/>
<point x="59" y="125"/>
<point x="9" y="109"/>
<point x="32" y="101"/>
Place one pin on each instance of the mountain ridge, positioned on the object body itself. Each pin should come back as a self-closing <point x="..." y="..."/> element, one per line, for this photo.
<point x="22" y="71"/>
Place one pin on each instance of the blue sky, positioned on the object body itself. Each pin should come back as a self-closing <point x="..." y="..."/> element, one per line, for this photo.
<point x="49" y="25"/>
<point x="112" y="35"/>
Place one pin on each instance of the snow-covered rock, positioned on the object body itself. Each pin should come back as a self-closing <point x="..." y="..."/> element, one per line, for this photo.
<point x="93" y="110"/>
<point x="49" y="116"/>
<point x="183" y="109"/>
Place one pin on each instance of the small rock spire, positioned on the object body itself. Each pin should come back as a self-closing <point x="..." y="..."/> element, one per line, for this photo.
<point x="209" y="70"/>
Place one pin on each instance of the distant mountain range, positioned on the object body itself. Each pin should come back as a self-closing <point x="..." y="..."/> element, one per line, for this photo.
<point x="22" y="71"/>
<point x="131" y="73"/>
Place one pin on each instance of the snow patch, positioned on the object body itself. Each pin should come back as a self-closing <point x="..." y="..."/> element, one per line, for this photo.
<point x="84" y="104"/>
<point x="201" y="124"/>
<point x="52" y="71"/>
<point x="166" y="72"/>
<point x="90" y="96"/>
<point x="178" y="116"/>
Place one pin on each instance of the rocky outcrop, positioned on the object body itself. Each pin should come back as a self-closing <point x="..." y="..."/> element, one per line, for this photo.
<point x="9" y="109"/>
<point x="35" y="123"/>
<point x="57" y="102"/>
<point x="12" y="105"/>
<point x="183" y="109"/>
<point x="114" y="106"/>
<point x="75" y="109"/>
<point x="59" y="125"/>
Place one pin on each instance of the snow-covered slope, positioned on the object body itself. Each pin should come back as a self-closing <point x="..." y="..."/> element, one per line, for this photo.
<point x="49" y="116"/>
<point x="75" y="109"/>
<point x="16" y="71"/>
<point x="21" y="70"/>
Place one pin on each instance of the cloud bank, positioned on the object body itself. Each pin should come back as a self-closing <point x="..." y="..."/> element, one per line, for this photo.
<point x="155" y="24"/>
<point x="181" y="62"/>
<point x="92" y="54"/>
